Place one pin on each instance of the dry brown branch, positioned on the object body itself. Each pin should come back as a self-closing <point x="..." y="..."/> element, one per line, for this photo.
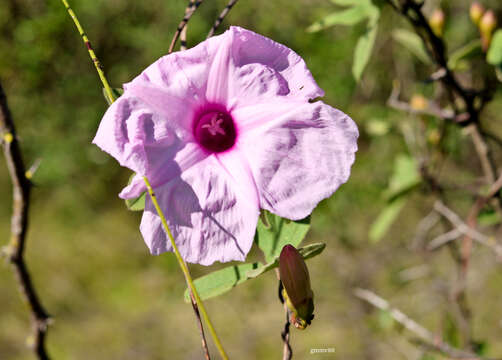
<point x="201" y="328"/>
<point x="183" y="34"/>
<point x="434" y="342"/>
<point x="461" y="226"/>
<point x="14" y="251"/>
<point x="220" y="18"/>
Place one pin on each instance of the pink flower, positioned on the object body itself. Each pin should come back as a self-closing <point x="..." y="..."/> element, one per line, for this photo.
<point x="222" y="130"/>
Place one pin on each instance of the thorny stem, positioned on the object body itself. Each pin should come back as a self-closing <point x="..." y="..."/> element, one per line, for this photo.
<point x="181" y="262"/>
<point x="14" y="251"/>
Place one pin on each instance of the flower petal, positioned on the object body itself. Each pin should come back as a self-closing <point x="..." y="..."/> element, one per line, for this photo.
<point x="210" y="219"/>
<point x="146" y="142"/>
<point x="300" y="156"/>
<point x="250" y="48"/>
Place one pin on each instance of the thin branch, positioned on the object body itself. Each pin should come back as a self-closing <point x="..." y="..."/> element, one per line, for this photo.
<point x="425" y="335"/>
<point x="188" y="14"/>
<point x="220" y="18"/>
<point x="14" y="251"/>
<point x="201" y="328"/>
<point x="183" y="34"/>
<point x="287" y="351"/>
<point x="467" y="230"/>
<point x="444" y="239"/>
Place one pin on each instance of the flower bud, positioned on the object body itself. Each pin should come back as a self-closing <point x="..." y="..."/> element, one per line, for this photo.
<point x="476" y="12"/>
<point x="487" y="24"/>
<point x="436" y="22"/>
<point x="296" y="283"/>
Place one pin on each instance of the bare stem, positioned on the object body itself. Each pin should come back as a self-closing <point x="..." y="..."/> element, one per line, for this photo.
<point x="188" y="14"/>
<point x="201" y="328"/>
<point x="14" y="251"/>
<point x="428" y="337"/>
<point x="220" y="18"/>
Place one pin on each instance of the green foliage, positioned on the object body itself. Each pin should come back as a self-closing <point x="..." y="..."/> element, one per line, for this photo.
<point x="272" y="237"/>
<point x="117" y="92"/>
<point x="404" y="179"/>
<point x="494" y="55"/>
<point x="359" y="11"/>
<point x="470" y="50"/>
<point x="411" y="41"/>
<point x="138" y="203"/>
<point x="222" y="281"/>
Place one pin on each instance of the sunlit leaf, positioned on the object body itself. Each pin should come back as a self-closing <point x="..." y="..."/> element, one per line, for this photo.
<point x="138" y="203"/>
<point x="405" y="176"/>
<point x="221" y="281"/>
<point x="278" y="232"/>
<point x="494" y="55"/>
<point x="413" y="43"/>
<point x="386" y="218"/>
<point x="349" y="16"/>
<point x="363" y="50"/>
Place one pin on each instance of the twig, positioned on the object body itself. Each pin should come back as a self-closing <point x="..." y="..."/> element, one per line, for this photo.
<point x="183" y="34"/>
<point x="14" y="251"/>
<point x="287" y="351"/>
<point x="428" y="337"/>
<point x="444" y="239"/>
<point x="466" y="230"/>
<point x="201" y="328"/>
<point x="188" y="14"/>
<point x="220" y="18"/>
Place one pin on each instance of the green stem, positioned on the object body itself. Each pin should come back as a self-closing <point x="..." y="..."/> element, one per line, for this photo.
<point x="181" y="262"/>
<point x="93" y="56"/>
<point x="184" y="268"/>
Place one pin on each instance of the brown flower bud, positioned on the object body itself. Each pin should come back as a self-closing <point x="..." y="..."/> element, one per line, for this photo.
<point x="487" y="24"/>
<point x="296" y="282"/>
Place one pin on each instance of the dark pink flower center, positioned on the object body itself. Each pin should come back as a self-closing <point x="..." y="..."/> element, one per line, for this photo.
<point x="214" y="130"/>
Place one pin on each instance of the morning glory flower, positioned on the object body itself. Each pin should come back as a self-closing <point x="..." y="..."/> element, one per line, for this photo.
<point x="221" y="131"/>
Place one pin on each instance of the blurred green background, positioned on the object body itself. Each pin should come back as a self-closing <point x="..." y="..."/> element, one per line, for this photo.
<point x="110" y="299"/>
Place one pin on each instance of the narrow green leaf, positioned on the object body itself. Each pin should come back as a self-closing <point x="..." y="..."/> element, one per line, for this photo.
<point x="386" y="218"/>
<point x="404" y="178"/>
<point x="306" y="252"/>
<point x="221" y="281"/>
<point x="349" y="16"/>
<point x="278" y="232"/>
<point x="494" y="55"/>
<point x="347" y="2"/>
<point x="363" y="50"/>
<point x="117" y="92"/>
<point x="470" y="50"/>
<point x="136" y="204"/>
<point x="413" y="43"/>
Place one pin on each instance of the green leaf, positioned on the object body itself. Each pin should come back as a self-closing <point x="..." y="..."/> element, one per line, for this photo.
<point x="386" y="218"/>
<point x="363" y="50"/>
<point x="494" y="55"/>
<point x="221" y="281"/>
<point x="470" y="50"/>
<point x="136" y="204"/>
<point x="489" y="218"/>
<point x="404" y="178"/>
<point x="413" y="43"/>
<point x="347" y="2"/>
<point x="349" y="16"/>
<point x="117" y="92"/>
<point x="306" y="252"/>
<point x="272" y="237"/>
